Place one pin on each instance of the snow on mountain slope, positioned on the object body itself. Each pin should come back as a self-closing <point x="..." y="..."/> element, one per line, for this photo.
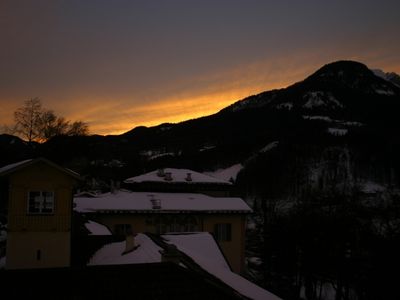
<point x="320" y="98"/>
<point x="227" y="173"/>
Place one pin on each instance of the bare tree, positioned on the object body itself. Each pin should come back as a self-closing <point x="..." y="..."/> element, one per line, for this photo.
<point x="50" y="125"/>
<point x="78" y="128"/>
<point x="37" y="124"/>
<point x="27" y="119"/>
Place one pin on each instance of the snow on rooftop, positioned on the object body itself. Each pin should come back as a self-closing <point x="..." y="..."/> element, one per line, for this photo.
<point x="226" y="174"/>
<point x="111" y="254"/>
<point x="177" y="176"/>
<point x="96" y="228"/>
<point x="144" y="201"/>
<point x="201" y="247"/>
<point x="14" y="165"/>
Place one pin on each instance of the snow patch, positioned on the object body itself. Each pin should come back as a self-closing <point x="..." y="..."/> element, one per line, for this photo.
<point x="319" y="118"/>
<point x="319" y="98"/>
<point x="286" y="105"/>
<point x="371" y="187"/>
<point x="161" y="155"/>
<point x="205" y="148"/>
<point x="269" y="147"/>
<point x="226" y="174"/>
<point x="386" y="92"/>
<point x="352" y="123"/>
<point x="254" y="261"/>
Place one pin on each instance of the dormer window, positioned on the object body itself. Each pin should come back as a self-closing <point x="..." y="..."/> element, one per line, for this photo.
<point x="40" y="202"/>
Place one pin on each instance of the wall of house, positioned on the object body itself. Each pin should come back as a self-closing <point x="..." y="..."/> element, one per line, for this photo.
<point x="27" y="232"/>
<point x="26" y="250"/>
<point x="233" y="249"/>
<point x="137" y="222"/>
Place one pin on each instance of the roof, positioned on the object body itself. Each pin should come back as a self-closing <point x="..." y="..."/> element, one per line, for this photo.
<point x="198" y="248"/>
<point x="95" y="228"/>
<point x="147" y="202"/>
<point x="177" y="176"/>
<point x="9" y="169"/>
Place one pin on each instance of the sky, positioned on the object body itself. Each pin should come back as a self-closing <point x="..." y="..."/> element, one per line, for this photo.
<point x="121" y="64"/>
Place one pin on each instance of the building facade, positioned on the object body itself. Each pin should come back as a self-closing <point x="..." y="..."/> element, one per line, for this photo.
<point x="126" y="212"/>
<point x="39" y="213"/>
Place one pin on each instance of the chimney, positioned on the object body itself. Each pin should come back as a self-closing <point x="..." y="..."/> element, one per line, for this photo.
<point x="129" y="243"/>
<point x="188" y="177"/>
<point x="160" y="173"/>
<point x="155" y="203"/>
<point x="168" y="176"/>
<point x="170" y="254"/>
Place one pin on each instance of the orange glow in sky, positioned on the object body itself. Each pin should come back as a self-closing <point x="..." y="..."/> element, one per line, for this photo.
<point x="121" y="64"/>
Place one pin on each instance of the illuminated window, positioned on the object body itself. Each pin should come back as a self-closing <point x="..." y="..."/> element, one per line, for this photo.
<point x="41" y="202"/>
<point x="222" y="232"/>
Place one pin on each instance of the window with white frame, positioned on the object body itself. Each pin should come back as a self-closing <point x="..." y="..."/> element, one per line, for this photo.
<point x="222" y="232"/>
<point x="41" y="202"/>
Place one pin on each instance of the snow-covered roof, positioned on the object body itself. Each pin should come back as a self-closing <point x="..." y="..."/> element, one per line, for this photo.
<point x="96" y="228"/>
<point x="14" y="165"/>
<point x="111" y="254"/>
<point x="201" y="247"/>
<point x="22" y="164"/>
<point x="126" y="201"/>
<point x="177" y="176"/>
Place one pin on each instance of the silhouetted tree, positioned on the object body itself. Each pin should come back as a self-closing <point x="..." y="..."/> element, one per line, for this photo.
<point x="27" y="119"/>
<point x="34" y="123"/>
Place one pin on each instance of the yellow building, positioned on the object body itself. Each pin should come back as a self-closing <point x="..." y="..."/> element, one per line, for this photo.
<point x="38" y="205"/>
<point x="125" y="212"/>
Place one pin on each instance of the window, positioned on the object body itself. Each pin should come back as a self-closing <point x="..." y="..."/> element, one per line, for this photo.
<point x="41" y="202"/>
<point x="222" y="232"/>
<point x="164" y="224"/>
<point x="123" y="229"/>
